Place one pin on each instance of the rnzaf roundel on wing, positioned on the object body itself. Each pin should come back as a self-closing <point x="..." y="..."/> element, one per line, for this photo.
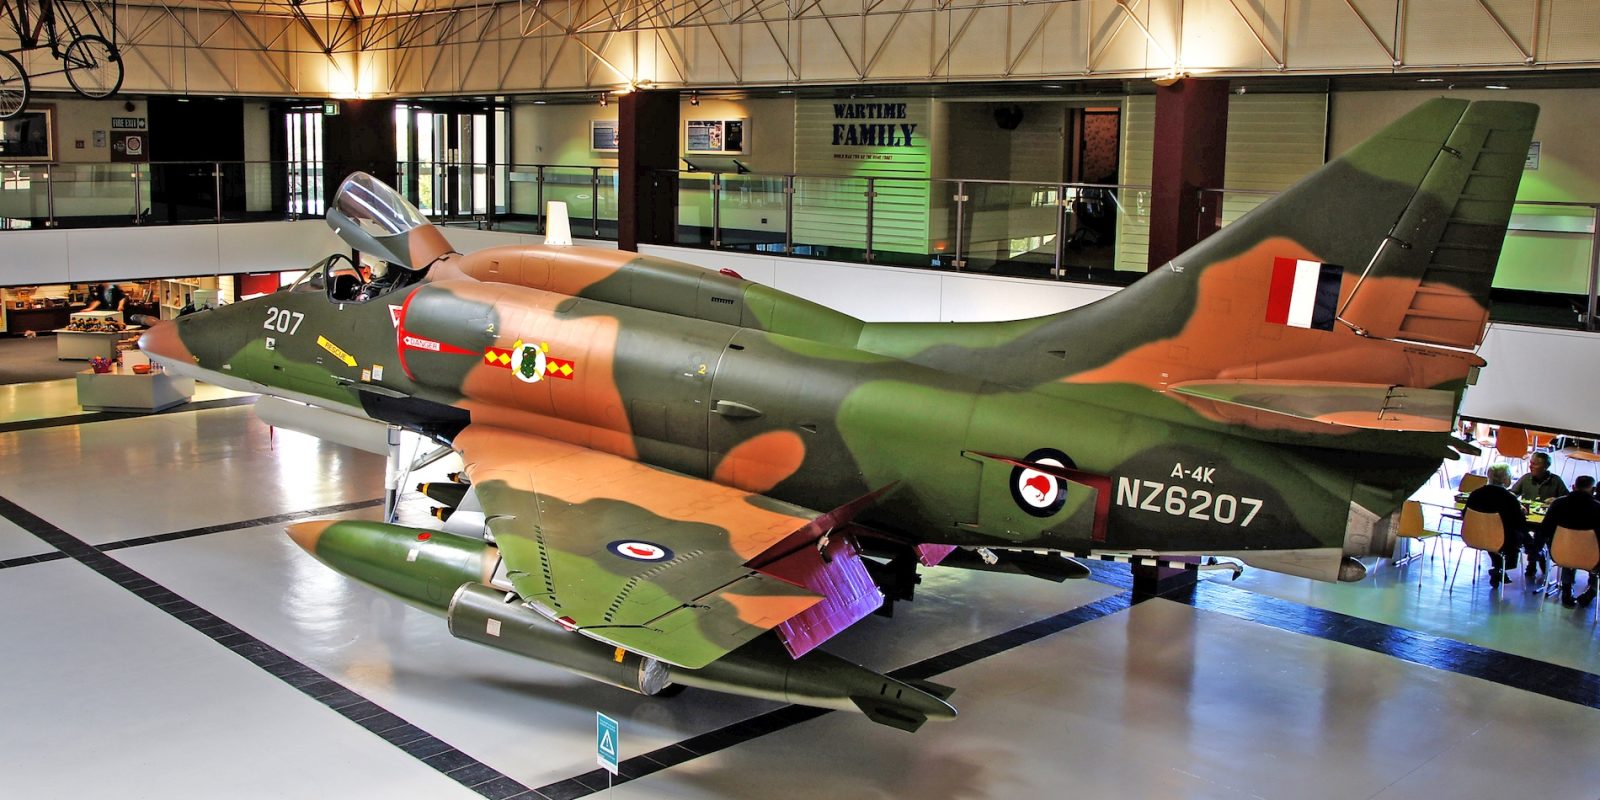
<point x="674" y="476"/>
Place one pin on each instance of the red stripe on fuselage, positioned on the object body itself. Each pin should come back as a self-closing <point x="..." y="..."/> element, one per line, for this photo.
<point x="401" y="335"/>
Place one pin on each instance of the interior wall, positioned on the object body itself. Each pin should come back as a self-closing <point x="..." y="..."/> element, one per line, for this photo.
<point x="769" y="134"/>
<point x="977" y="147"/>
<point x="558" y="134"/>
<point x="257" y="148"/>
<point x="78" y="119"/>
<point x="361" y="137"/>
<point x="202" y="129"/>
<point x="1549" y="247"/>
<point x="1569" y="147"/>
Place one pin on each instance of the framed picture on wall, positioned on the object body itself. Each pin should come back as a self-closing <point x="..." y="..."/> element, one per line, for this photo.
<point x="29" y="136"/>
<point x="603" y="135"/>
<point x="716" y="136"/>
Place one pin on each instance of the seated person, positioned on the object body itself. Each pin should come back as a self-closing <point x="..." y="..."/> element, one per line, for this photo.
<point x="1542" y="485"/>
<point x="380" y="279"/>
<point x="1495" y="497"/>
<point x="1578" y="511"/>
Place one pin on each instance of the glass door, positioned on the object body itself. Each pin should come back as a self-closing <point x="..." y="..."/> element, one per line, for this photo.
<point x="447" y="155"/>
<point x="305" y="161"/>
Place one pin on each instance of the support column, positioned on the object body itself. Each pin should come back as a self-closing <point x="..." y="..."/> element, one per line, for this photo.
<point x="1169" y="581"/>
<point x="1190" y="151"/>
<point x="647" y="140"/>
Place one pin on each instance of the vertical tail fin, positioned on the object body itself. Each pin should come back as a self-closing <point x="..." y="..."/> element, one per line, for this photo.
<point x="1362" y="273"/>
<point x="1430" y="279"/>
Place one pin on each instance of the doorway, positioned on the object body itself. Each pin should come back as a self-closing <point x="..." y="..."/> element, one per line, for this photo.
<point x="304" y="168"/>
<point x="452" y="159"/>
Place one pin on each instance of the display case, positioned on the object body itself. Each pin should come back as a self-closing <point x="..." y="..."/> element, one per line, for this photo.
<point x="122" y="389"/>
<point x="108" y="321"/>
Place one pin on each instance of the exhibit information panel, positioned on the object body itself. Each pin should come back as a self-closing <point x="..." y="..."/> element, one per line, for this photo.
<point x="880" y="138"/>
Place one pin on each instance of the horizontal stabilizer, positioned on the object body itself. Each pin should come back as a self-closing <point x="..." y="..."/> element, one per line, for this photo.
<point x="1352" y="405"/>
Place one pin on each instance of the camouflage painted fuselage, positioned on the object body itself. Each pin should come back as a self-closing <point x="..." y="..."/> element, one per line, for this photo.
<point x="716" y="377"/>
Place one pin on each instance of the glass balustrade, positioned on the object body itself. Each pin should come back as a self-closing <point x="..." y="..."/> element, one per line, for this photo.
<point x="1548" y="271"/>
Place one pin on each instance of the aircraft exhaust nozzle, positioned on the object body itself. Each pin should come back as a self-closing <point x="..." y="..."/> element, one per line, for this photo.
<point x="1351" y="570"/>
<point x="764" y="669"/>
<point x="420" y="567"/>
<point x="479" y="613"/>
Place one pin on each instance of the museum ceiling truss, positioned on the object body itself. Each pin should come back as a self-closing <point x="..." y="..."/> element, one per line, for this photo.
<point x="441" y="47"/>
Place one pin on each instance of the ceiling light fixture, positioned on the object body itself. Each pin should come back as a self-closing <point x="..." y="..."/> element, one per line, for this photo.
<point x="604" y="100"/>
<point x="694" y="97"/>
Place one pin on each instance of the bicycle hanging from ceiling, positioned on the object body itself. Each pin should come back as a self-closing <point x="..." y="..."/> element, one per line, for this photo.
<point x="71" y="31"/>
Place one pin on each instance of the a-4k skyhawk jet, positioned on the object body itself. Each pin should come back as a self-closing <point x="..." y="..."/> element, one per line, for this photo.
<point x="688" y="478"/>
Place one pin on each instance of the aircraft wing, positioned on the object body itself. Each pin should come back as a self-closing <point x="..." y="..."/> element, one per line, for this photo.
<point x="649" y="560"/>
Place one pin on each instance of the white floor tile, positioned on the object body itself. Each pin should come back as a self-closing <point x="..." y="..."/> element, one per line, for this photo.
<point x="16" y="542"/>
<point x="107" y="481"/>
<point x="1165" y="701"/>
<point x="105" y="694"/>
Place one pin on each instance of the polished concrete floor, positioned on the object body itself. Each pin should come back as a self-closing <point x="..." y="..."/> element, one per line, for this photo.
<point x="164" y="639"/>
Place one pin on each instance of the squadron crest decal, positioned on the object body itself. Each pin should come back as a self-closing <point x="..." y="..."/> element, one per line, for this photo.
<point x="1038" y="493"/>
<point x="527" y="361"/>
<point x="530" y="363"/>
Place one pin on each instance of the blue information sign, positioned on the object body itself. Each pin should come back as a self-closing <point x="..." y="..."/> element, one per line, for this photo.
<point x="607" y="741"/>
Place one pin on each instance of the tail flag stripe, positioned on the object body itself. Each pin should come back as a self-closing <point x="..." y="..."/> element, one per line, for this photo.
<point x="1303" y="294"/>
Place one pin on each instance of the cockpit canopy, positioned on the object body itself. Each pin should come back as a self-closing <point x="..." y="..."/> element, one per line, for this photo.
<point x="373" y="218"/>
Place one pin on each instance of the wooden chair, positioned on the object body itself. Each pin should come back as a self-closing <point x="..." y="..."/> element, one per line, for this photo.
<point x="1576" y="550"/>
<point x="1484" y="533"/>
<point x="1413" y="526"/>
<point x="1472" y="480"/>
<point x="1576" y="456"/>
<point x="1512" y="444"/>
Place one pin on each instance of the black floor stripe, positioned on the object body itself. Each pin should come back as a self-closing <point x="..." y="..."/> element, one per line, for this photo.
<point x="291" y="516"/>
<point x="1426" y="649"/>
<point x="773" y="721"/>
<point x="106" y="416"/>
<point x="26" y="560"/>
<point x="422" y="745"/>
<point x="1417" y="647"/>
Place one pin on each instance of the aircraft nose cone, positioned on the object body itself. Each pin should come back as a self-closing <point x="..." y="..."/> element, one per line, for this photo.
<point x="163" y="343"/>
